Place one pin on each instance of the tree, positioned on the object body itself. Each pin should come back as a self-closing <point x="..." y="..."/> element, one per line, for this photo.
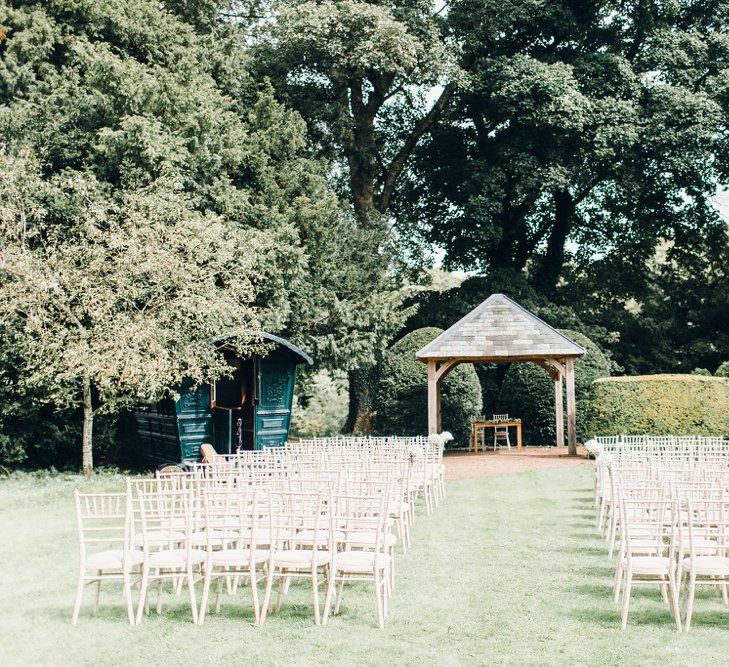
<point x="359" y="73"/>
<point x="581" y="139"/>
<point x="118" y="305"/>
<point x="354" y="70"/>
<point x="143" y="96"/>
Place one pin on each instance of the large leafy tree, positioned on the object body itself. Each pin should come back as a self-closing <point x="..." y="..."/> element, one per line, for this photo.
<point x="359" y="72"/>
<point x="118" y="304"/>
<point x="145" y="100"/>
<point x="589" y="133"/>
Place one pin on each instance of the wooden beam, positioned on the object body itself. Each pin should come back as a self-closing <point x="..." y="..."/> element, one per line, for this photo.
<point x="445" y="368"/>
<point x="432" y="397"/>
<point x="438" y="393"/>
<point x="559" y="410"/>
<point x="547" y="366"/>
<point x="571" y="409"/>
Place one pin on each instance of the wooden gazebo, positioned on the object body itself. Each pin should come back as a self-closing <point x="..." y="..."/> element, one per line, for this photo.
<point x="497" y="331"/>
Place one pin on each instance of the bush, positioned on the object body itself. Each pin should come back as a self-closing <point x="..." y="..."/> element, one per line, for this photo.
<point x="321" y="405"/>
<point x="723" y="370"/>
<point x="402" y="397"/>
<point x="660" y="405"/>
<point x="528" y="392"/>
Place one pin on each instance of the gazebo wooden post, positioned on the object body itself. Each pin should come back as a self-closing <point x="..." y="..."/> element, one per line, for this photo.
<point x="571" y="411"/>
<point x="439" y="411"/>
<point x="433" y="398"/>
<point x="558" y="409"/>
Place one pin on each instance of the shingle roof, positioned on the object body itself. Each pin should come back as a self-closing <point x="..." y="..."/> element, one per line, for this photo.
<point x="500" y="328"/>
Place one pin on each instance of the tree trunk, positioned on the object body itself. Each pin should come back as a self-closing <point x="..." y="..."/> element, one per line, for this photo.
<point x="361" y="401"/>
<point x="551" y="265"/>
<point x="88" y="429"/>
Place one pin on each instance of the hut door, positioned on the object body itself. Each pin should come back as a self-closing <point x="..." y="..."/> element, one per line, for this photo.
<point x="273" y="412"/>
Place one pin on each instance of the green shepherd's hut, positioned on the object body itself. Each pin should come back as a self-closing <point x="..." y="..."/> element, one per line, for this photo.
<point x="249" y="410"/>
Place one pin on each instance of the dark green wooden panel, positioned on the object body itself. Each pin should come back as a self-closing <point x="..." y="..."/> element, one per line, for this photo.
<point x="194" y="421"/>
<point x="276" y="392"/>
<point x="222" y="430"/>
<point x="158" y="436"/>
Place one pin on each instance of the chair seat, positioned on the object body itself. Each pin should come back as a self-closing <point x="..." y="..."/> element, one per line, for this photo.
<point x="239" y="557"/>
<point x="367" y="539"/>
<point x="175" y="558"/>
<point x="400" y="508"/>
<point x="159" y="537"/>
<point x="307" y="536"/>
<point x="641" y="529"/>
<point x="216" y="537"/>
<point x="113" y="559"/>
<point x="362" y="562"/>
<point x="300" y="559"/>
<point x="712" y="565"/>
<point x="649" y="564"/>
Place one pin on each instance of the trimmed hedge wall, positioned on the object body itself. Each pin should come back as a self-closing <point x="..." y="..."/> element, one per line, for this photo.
<point x="659" y="405"/>
<point x="528" y="393"/>
<point x="402" y="398"/>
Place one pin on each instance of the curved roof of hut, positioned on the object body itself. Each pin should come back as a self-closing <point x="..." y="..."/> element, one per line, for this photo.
<point x="500" y="330"/>
<point x="270" y="338"/>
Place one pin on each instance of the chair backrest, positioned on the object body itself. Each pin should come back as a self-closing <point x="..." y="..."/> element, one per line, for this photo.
<point x="362" y="522"/>
<point x="299" y="520"/>
<point x="103" y="521"/>
<point x="166" y="518"/>
<point x="501" y="418"/>
<point x="231" y="517"/>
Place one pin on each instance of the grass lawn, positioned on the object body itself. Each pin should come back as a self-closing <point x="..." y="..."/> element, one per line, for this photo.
<point x="509" y="570"/>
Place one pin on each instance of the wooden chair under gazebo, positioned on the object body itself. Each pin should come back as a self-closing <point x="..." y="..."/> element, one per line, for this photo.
<point x="501" y="331"/>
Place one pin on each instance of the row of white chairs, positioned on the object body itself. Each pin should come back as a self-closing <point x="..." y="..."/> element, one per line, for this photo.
<point x="665" y="508"/>
<point x="321" y="511"/>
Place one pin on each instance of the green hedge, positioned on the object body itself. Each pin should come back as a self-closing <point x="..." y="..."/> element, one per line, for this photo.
<point x="528" y="393"/>
<point x="402" y="397"/>
<point x="660" y="405"/>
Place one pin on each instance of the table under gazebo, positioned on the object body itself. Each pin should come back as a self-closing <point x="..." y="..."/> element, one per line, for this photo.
<point x="499" y="330"/>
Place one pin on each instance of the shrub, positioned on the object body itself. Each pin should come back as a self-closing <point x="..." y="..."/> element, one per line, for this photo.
<point x="321" y="405"/>
<point x="402" y="397"/>
<point x="660" y="405"/>
<point x="723" y="370"/>
<point x="701" y="371"/>
<point x="528" y="392"/>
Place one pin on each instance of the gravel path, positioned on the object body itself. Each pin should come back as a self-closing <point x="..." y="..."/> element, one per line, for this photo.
<point x="464" y="465"/>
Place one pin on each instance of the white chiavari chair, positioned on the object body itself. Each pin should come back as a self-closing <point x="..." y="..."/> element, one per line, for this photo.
<point x="105" y="546"/>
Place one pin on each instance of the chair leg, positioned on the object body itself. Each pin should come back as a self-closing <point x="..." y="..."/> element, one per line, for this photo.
<point x="205" y="594"/>
<point x="267" y="595"/>
<point x="128" y="597"/>
<point x="330" y="593"/>
<point x="626" y="598"/>
<point x="254" y="593"/>
<point x="218" y="595"/>
<point x="191" y="587"/>
<point x="98" y="591"/>
<point x="340" y="590"/>
<point x="79" y="597"/>
<point x="618" y="581"/>
<point x="690" y="601"/>
<point x="378" y="600"/>
<point x="315" y="592"/>
<point x="159" y="595"/>
<point x="673" y="591"/>
<point x="142" y="594"/>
